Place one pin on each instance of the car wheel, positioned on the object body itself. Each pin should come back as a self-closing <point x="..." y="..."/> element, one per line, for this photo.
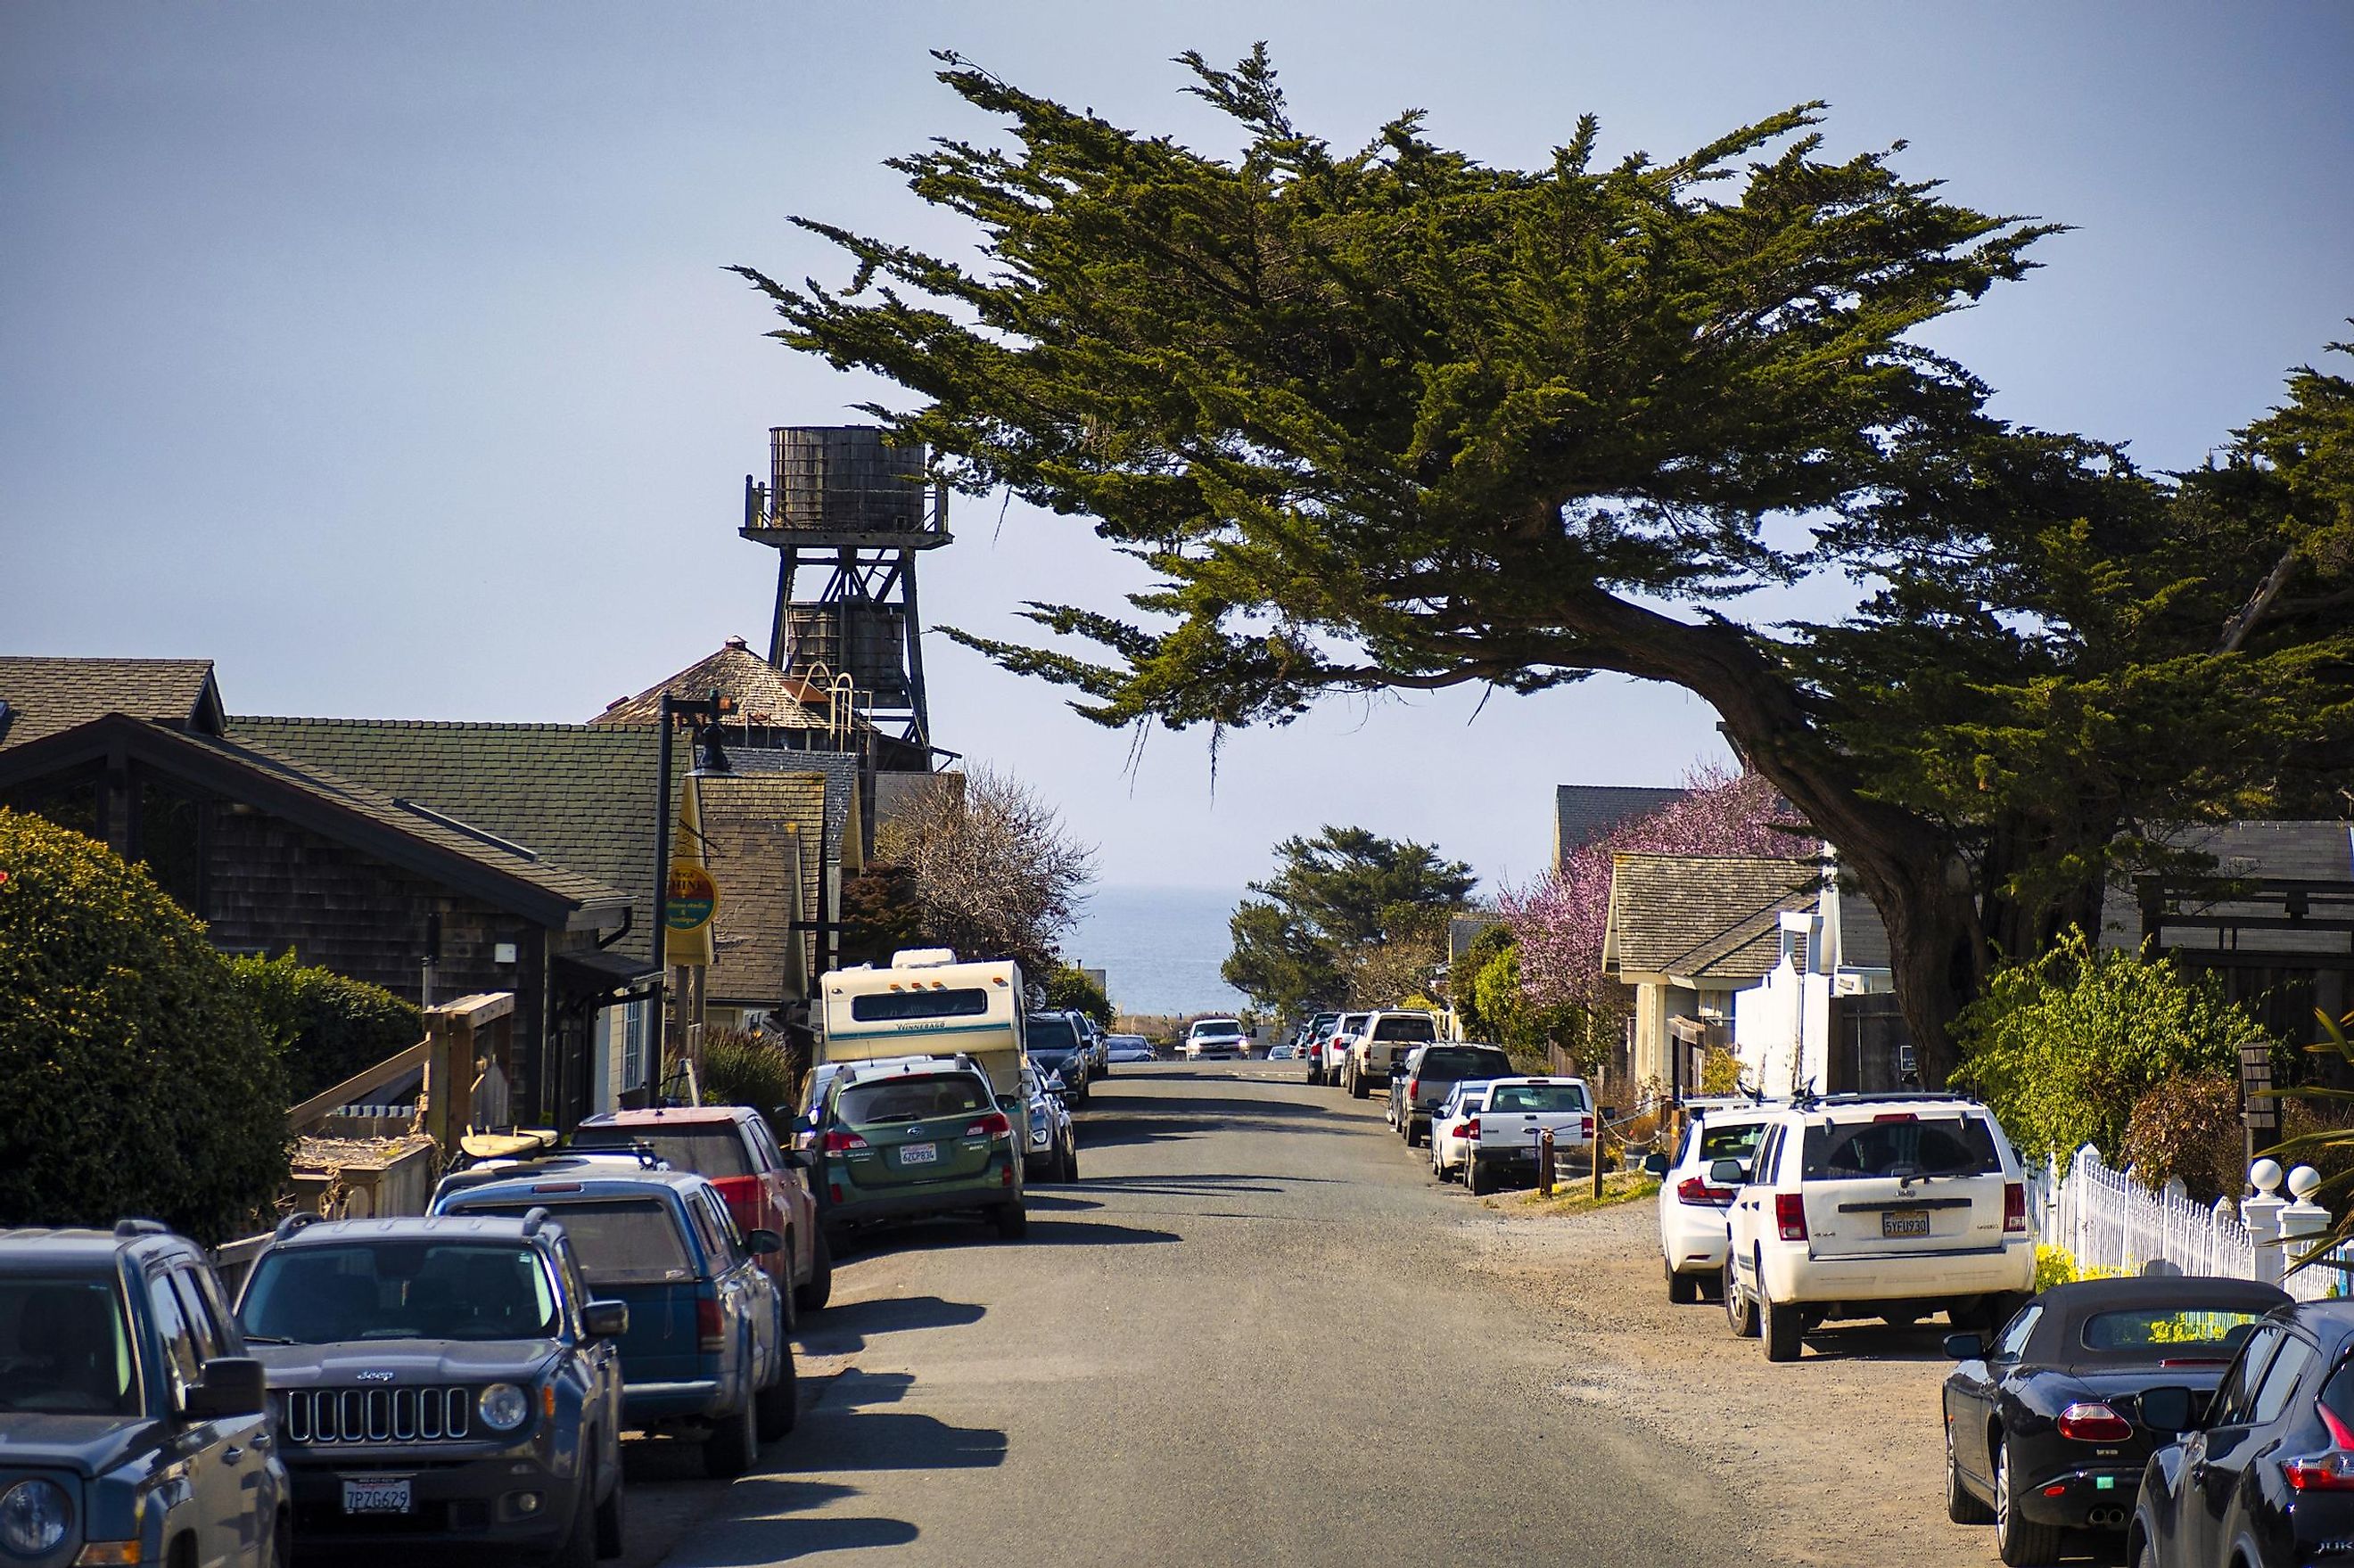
<point x="2017" y="1541"/>
<point x="578" y="1547"/>
<point x="778" y="1405"/>
<point x="1414" y="1139"/>
<point x="1962" y="1505"/>
<point x="1358" y="1087"/>
<point x="1012" y="1220"/>
<point x="1683" y="1290"/>
<point x="1071" y="1163"/>
<point x="1480" y="1177"/>
<point x="814" y="1294"/>
<point x="733" y="1445"/>
<point x="613" y="1530"/>
<point x="1741" y="1313"/>
<point x="1782" y="1326"/>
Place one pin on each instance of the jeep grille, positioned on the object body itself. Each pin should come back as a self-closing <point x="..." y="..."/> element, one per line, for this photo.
<point x="378" y="1415"/>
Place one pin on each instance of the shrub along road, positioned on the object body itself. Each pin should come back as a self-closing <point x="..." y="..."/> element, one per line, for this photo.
<point x="1247" y="1334"/>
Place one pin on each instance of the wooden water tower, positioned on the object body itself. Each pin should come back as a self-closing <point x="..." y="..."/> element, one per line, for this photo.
<point x="839" y="498"/>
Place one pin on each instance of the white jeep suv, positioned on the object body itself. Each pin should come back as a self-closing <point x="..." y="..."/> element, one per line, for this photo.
<point x="1892" y="1206"/>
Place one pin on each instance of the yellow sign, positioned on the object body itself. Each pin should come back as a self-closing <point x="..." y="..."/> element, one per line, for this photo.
<point x="692" y="897"/>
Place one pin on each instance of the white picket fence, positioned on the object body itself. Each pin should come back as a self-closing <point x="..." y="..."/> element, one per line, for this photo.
<point x="2108" y="1220"/>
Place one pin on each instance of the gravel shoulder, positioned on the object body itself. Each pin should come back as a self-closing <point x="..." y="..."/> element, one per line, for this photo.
<point x="1842" y="1447"/>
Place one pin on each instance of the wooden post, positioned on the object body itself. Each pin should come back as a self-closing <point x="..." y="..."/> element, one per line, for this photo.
<point x="450" y="1050"/>
<point x="1595" y="1148"/>
<point x="1544" y="1163"/>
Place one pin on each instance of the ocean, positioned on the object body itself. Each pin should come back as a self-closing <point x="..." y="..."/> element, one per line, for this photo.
<point x="1160" y="948"/>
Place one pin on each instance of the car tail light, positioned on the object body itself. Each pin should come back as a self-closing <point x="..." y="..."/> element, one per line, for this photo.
<point x="1790" y="1215"/>
<point x="1585" y="1128"/>
<point x="2087" y="1422"/>
<point x="1413" y="1088"/>
<point x="841" y="1142"/>
<point x="1471" y="1128"/>
<point x="2014" y="1206"/>
<point x="994" y="1125"/>
<point x="555" y="1186"/>
<point x="707" y="1336"/>
<point x="2327" y="1472"/>
<point x="1692" y="1190"/>
<point x="1897" y="1116"/>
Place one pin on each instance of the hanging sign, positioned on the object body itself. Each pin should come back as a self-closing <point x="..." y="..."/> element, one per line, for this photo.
<point x="692" y="897"/>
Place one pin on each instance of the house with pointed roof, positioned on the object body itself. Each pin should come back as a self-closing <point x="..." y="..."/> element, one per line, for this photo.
<point x="1584" y="813"/>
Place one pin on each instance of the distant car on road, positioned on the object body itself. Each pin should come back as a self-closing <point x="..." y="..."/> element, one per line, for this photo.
<point x="1282" y="1051"/>
<point x="1399" y="1079"/>
<point x="1129" y="1048"/>
<point x="1519" y="1112"/>
<point x="134" y="1424"/>
<point x="1057" y="1053"/>
<point x="1215" y="1038"/>
<point x="1435" y="1071"/>
<point x="1331" y="1049"/>
<point x="2040" y="1429"/>
<point x="1053" y="1154"/>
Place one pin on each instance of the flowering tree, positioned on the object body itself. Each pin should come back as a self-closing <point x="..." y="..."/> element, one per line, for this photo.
<point x="1557" y="920"/>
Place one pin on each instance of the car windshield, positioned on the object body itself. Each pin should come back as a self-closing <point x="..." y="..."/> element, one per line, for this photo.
<point x="1900" y="1145"/>
<point x="621" y="1241"/>
<point x="1439" y="1061"/>
<point x="398" y="1290"/>
<point x="1216" y="1026"/>
<point x="1537" y="1097"/>
<point x="1730" y="1141"/>
<point x="710" y="1148"/>
<point x="893" y="1100"/>
<point x="2170" y="1333"/>
<point x="64" y="1347"/>
<point x="1053" y="1035"/>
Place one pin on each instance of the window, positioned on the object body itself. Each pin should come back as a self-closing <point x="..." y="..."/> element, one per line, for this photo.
<point x="710" y="1148"/>
<point x="199" y="1315"/>
<point x="714" y="1241"/>
<point x="1538" y="1097"/>
<point x="1053" y="1035"/>
<point x="2011" y="1343"/>
<point x="1909" y="1145"/>
<point x="637" y="1023"/>
<point x="2231" y="1400"/>
<point x="1769" y="1157"/>
<point x="182" y="1366"/>
<point x="1409" y="1026"/>
<point x="2280" y="1380"/>
<point x="892" y="1006"/>
<point x="906" y="1099"/>
<point x="64" y="1346"/>
<point x="620" y="1241"/>
<point x="1463" y="1061"/>
<point x="2188" y="1332"/>
<point x="1732" y="1140"/>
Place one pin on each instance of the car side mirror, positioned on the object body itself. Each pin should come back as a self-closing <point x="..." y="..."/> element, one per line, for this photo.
<point x="2169" y="1410"/>
<point x="232" y="1386"/>
<point x="794" y="1160"/>
<point x="1965" y="1347"/>
<point x="1655" y="1165"/>
<point x="605" y="1319"/>
<point x="763" y="1242"/>
<point x="1727" y="1173"/>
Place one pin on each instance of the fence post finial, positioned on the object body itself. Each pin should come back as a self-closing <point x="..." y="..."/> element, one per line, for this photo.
<point x="2262" y="1216"/>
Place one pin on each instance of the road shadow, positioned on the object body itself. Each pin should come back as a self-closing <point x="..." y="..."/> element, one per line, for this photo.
<point x="844" y="1431"/>
<point x="749" y="1542"/>
<point x="1093" y="1233"/>
<point x="1865" y="1340"/>
<point x="846" y="1326"/>
<point x="1208" y="1186"/>
<point x="1034" y="1200"/>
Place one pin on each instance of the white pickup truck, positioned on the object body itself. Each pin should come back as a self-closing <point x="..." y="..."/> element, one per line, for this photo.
<point x="1518" y="1112"/>
<point x="1378" y="1046"/>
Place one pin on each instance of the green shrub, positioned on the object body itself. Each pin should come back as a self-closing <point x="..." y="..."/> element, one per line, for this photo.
<point x="745" y="1069"/>
<point x="1068" y="990"/>
<point x="2063" y="1048"/>
<point x="326" y="1026"/>
<point x="138" y="1080"/>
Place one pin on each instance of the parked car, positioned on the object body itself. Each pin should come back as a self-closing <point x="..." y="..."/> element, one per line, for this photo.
<point x="1129" y="1048"/>
<point x="1454" y="1127"/>
<point x="1283" y="1050"/>
<point x="1209" y="1038"/>
<point x="1091" y="1044"/>
<point x="135" y="1425"/>
<point x="1890" y="1206"/>
<point x="1333" y="1050"/>
<point x="708" y="1352"/>
<point x="1053" y="1151"/>
<point x="1377" y="1046"/>
<point x="440" y="1383"/>
<point x="2039" y="1431"/>
<point x="904" y="1141"/>
<point x="1434" y="1073"/>
<point x="1398" y="1082"/>
<point x="765" y="1187"/>
<point x="1056" y="1054"/>
<point x="1692" y="1209"/>
<point x="2260" y="1473"/>
<point x="1519" y="1111"/>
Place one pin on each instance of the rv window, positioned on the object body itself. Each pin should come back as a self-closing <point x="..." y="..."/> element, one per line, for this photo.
<point x="887" y="1006"/>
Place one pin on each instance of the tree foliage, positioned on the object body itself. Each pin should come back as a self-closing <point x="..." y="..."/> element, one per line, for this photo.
<point x="1069" y="988"/>
<point x="325" y="1027"/>
<point x="138" y="1081"/>
<point x="740" y="1068"/>
<point x="1397" y="418"/>
<point x="994" y="872"/>
<point x="2063" y="1048"/>
<point x="1349" y="916"/>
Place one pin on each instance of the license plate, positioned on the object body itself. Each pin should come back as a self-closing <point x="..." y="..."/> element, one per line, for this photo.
<point x="376" y="1494"/>
<point x="1895" y="1223"/>
<point x="930" y="1153"/>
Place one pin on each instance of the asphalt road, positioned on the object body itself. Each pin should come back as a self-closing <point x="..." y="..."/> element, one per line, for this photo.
<point x="1243" y="1336"/>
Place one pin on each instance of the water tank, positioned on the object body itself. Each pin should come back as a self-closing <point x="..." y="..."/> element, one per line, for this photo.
<point x="843" y="479"/>
<point x="864" y="641"/>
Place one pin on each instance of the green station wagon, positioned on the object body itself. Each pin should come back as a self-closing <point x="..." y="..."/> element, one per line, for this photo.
<point x="914" y="1139"/>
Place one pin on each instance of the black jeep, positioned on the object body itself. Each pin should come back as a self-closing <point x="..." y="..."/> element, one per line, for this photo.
<point x="442" y="1381"/>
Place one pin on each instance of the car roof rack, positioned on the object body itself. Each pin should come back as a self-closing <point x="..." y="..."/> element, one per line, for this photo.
<point x="532" y="1219"/>
<point x="129" y="1228"/>
<point x="298" y="1220"/>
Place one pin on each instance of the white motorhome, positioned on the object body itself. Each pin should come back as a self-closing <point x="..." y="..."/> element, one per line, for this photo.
<point x="928" y="1003"/>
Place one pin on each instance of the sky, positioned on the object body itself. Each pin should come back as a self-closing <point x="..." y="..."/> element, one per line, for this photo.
<point x="383" y="353"/>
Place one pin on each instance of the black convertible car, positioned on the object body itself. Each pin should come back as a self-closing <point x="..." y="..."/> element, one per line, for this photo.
<point x="2042" y="1428"/>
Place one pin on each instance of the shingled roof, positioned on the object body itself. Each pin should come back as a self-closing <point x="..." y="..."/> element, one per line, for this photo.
<point x="45" y="696"/>
<point x="840" y="770"/>
<point x="1583" y="812"/>
<point x="581" y="796"/>
<point x="764" y="697"/>
<point x="1702" y="916"/>
<point x="753" y="827"/>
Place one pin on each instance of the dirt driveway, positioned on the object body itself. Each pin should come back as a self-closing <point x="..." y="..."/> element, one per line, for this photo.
<point x="1845" y="1443"/>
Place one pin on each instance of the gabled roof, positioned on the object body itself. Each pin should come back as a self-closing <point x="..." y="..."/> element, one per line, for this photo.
<point x="1702" y="916"/>
<point x="1583" y="812"/>
<point x="429" y="842"/>
<point x="840" y="768"/>
<point x="580" y="796"/>
<point x="755" y="826"/>
<point x="46" y="696"/>
<point x="764" y="697"/>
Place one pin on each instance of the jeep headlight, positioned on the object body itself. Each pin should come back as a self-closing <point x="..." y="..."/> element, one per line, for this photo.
<point x="34" y="1518"/>
<point x="505" y="1406"/>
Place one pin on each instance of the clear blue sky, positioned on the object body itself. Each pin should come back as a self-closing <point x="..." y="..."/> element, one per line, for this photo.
<point x="382" y="353"/>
